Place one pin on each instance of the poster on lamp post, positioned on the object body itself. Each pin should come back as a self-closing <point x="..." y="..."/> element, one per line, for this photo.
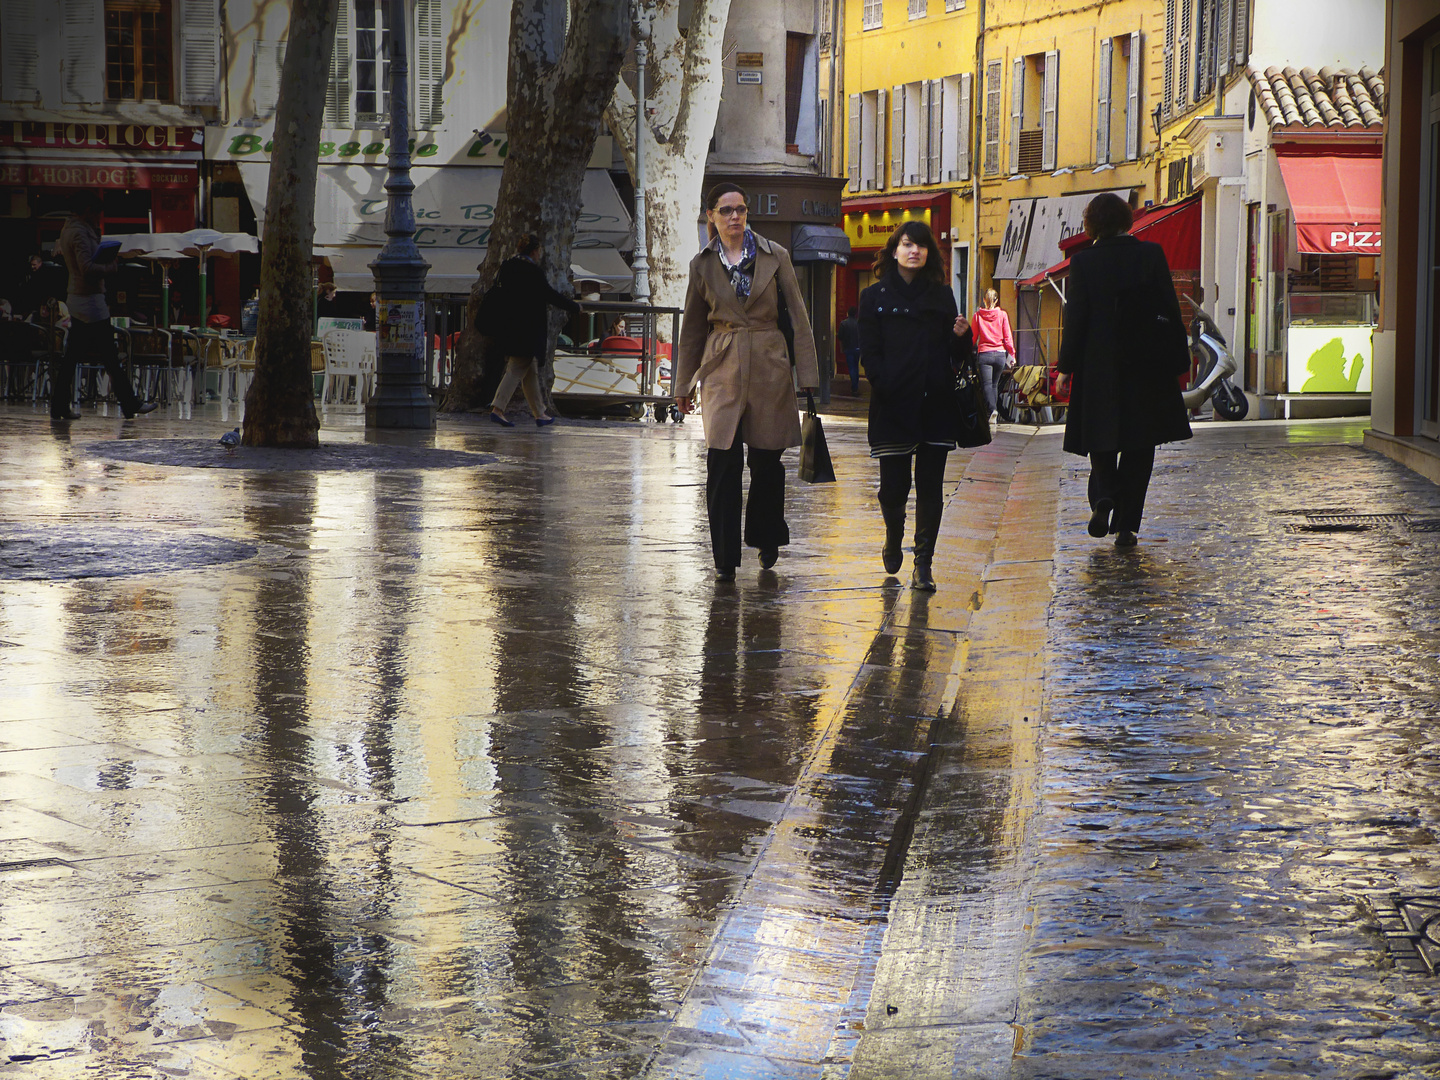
<point x="400" y="334"/>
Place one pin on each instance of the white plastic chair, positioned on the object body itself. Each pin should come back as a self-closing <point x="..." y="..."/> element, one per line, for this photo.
<point x="349" y="354"/>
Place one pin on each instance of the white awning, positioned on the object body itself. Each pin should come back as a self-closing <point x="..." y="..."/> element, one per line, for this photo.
<point x="454" y="207"/>
<point x="453" y="270"/>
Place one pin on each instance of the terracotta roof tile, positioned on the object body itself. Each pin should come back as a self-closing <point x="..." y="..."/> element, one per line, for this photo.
<point x="1330" y="97"/>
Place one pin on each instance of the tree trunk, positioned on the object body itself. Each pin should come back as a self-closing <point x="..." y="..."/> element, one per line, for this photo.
<point x="280" y="406"/>
<point x="557" y="89"/>
<point x="684" y="83"/>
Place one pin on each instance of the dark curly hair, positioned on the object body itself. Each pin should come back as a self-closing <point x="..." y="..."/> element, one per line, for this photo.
<point x="1107" y="215"/>
<point x="920" y="234"/>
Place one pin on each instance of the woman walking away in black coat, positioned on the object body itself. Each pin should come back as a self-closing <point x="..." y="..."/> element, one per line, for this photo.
<point x="911" y="337"/>
<point x="1121" y="354"/>
<point x="521" y="335"/>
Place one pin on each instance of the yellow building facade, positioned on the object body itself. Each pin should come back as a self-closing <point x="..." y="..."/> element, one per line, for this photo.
<point x="996" y="122"/>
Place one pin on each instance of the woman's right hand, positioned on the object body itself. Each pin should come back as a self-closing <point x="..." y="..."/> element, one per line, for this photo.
<point x="684" y="403"/>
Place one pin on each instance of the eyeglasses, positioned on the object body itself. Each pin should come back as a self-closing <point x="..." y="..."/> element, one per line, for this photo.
<point x="730" y="211"/>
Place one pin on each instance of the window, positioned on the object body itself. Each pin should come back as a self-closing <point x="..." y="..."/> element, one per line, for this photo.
<point x="956" y="109"/>
<point x="359" y="92"/>
<point x="796" y="48"/>
<point x="1182" y="55"/>
<point x="1117" y="119"/>
<point x="954" y="5"/>
<point x="919" y="9"/>
<point x="1034" y="107"/>
<point x="994" y="76"/>
<point x="268" y="62"/>
<point x="137" y="50"/>
<point x="872" y="15"/>
<point x="865" y="162"/>
<point x="915" y="133"/>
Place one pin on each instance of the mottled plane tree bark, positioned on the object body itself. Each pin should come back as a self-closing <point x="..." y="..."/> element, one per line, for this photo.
<point x="280" y="406"/>
<point x="560" y="79"/>
<point x="683" y="84"/>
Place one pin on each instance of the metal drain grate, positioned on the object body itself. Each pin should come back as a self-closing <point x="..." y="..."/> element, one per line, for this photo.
<point x="1425" y="525"/>
<point x="1328" y="521"/>
<point x="1411" y="925"/>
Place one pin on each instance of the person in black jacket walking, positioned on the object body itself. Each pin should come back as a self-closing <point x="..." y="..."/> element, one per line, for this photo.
<point x="911" y="337"/>
<point x="1122" y="351"/>
<point x="522" y="333"/>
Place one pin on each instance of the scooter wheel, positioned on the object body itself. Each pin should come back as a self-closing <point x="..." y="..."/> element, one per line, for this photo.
<point x="1229" y="402"/>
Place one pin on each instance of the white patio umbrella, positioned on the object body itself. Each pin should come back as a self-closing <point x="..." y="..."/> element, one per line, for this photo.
<point x="197" y="243"/>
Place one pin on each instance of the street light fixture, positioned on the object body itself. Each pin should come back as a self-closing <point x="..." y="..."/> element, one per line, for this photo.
<point x="401" y="399"/>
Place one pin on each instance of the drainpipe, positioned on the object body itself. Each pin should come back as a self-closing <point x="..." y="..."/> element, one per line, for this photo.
<point x="977" y="165"/>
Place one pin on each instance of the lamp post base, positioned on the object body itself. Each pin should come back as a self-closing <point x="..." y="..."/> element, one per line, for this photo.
<point x="400" y="407"/>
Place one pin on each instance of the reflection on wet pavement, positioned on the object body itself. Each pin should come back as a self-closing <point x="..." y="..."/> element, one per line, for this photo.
<point x="471" y="771"/>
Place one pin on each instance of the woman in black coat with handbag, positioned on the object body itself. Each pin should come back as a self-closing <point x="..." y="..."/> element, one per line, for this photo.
<point x="520" y="332"/>
<point x="911" y="339"/>
<point x="1121" y="354"/>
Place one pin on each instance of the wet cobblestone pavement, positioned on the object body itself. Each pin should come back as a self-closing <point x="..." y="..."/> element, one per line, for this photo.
<point x="449" y="759"/>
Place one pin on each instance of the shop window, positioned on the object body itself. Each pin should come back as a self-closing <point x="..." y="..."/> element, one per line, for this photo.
<point x="1034" y="93"/>
<point x="359" y="92"/>
<point x="138" y="61"/>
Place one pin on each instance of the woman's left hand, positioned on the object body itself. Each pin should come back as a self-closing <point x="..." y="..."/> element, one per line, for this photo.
<point x="962" y="326"/>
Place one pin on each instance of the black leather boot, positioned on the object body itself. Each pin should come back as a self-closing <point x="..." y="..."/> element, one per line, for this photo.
<point x="927" y="528"/>
<point x="894" y="537"/>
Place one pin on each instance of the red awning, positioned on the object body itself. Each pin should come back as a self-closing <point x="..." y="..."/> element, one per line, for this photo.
<point x="1336" y="200"/>
<point x="1175" y="227"/>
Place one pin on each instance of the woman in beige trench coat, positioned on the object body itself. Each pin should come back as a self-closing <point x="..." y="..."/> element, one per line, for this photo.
<point x="732" y="348"/>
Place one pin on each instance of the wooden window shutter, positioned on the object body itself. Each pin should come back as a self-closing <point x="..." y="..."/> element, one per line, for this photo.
<point x="1017" y="111"/>
<point x="429" y="63"/>
<point x="1102" y="109"/>
<point x="1049" y="120"/>
<point x="269" y="61"/>
<point x="964" y="129"/>
<point x="1240" y="41"/>
<point x="84" y="52"/>
<point x="1225" y="38"/>
<point x="897" y="137"/>
<point x="338" y="101"/>
<point x="200" y="52"/>
<point x="852" y="156"/>
<point x="20" y="50"/>
<point x="994" y="77"/>
<point x="937" y="102"/>
<point x="1132" y="100"/>
<point x="1167" y="86"/>
<point x="880" y="115"/>
<point x="1182" y="55"/>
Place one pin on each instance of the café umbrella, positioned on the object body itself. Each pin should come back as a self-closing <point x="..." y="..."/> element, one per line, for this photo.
<point x="197" y="244"/>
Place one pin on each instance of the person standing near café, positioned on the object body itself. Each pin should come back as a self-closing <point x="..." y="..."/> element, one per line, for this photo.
<point x="1122" y="351"/>
<point x="90" y="335"/>
<point x="911" y="338"/>
<point x="733" y="349"/>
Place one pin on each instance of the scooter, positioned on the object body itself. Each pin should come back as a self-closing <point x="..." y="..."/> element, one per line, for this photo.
<point x="1215" y="366"/>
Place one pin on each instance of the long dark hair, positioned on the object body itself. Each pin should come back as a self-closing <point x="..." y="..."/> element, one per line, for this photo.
<point x="919" y="232"/>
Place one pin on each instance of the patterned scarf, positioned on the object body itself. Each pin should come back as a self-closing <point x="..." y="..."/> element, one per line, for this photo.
<point x="742" y="274"/>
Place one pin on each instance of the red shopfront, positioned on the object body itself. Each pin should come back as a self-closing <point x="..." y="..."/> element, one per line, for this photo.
<point x="148" y="176"/>
<point x="868" y="224"/>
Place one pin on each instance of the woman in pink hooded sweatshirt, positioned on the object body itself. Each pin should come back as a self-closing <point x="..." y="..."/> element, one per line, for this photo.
<point x="994" y="344"/>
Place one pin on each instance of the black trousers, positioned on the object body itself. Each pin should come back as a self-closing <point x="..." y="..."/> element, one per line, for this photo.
<point x="92" y="343"/>
<point x="1122" y="478"/>
<point x="764" y="512"/>
<point x="929" y="463"/>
